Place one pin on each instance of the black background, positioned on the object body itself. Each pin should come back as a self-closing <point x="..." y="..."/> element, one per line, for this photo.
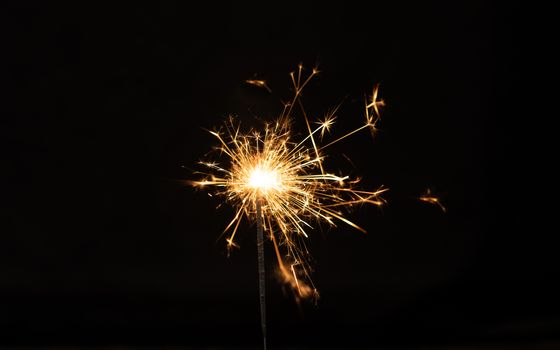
<point x="105" y="244"/>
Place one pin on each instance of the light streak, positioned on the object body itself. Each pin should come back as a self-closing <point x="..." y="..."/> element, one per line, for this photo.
<point x="429" y="197"/>
<point x="258" y="83"/>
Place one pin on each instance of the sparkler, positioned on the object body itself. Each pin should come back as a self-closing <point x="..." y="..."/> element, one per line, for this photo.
<point x="282" y="184"/>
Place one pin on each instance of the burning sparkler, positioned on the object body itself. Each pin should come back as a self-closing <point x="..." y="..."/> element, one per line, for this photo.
<point x="282" y="184"/>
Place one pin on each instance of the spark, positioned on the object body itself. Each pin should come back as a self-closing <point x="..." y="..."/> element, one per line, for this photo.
<point x="258" y="83"/>
<point x="327" y="122"/>
<point x="286" y="180"/>
<point x="373" y="106"/>
<point x="431" y="198"/>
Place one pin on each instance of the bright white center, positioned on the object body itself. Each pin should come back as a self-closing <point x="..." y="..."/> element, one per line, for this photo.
<point x="263" y="179"/>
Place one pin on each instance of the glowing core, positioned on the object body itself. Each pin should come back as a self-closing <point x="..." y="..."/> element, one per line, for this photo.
<point x="264" y="179"/>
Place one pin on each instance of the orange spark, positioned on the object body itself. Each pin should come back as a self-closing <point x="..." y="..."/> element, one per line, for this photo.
<point x="431" y="198"/>
<point x="258" y="83"/>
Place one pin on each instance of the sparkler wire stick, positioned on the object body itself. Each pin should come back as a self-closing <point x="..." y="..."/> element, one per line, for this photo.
<point x="262" y="281"/>
<point x="281" y="182"/>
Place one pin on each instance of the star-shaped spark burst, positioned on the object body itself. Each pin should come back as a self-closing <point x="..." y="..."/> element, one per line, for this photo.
<point x="280" y="183"/>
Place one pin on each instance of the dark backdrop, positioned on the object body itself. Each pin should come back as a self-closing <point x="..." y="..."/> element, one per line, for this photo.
<point x="103" y="243"/>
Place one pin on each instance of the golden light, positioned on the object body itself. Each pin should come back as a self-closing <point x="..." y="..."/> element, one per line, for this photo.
<point x="281" y="183"/>
<point x="264" y="179"/>
<point x="431" y="198"/>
